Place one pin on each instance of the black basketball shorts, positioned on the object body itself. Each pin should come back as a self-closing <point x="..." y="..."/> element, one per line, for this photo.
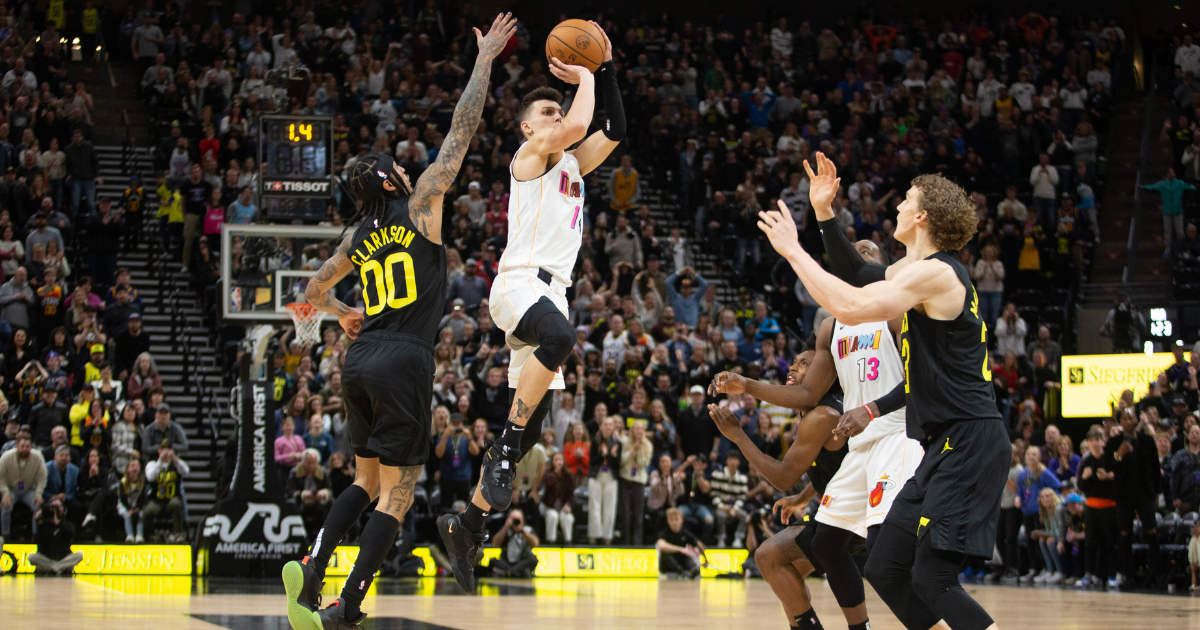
<point x="954" y="496"/>
<point x="857" y="546"/>
<point x="388" y="383"/>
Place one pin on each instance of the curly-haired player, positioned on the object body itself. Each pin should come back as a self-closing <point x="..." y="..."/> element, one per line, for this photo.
<point x="395" y="247"/>
<point x="948" y="510"/>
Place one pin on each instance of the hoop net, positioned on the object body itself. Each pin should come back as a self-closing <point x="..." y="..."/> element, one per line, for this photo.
<point x="308" y="321"/>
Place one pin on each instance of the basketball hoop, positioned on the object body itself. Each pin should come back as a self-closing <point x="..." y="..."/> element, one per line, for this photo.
<point x="308" y="322"/>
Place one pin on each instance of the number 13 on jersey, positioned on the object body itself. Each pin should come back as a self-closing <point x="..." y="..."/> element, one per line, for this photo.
<point x="384" y="284"/>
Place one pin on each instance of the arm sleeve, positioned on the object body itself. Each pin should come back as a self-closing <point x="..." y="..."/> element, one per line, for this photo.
<point x="844" y="261"/>
<point x="614" y="109"/>
<point x="893" y="400"/>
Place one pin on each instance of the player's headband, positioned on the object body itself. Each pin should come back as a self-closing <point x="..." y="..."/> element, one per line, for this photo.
<point x="369" y="183"/>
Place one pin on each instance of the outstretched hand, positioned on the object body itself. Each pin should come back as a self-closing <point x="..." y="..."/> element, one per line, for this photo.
<point x="726" y="422"/>
<point x="497" y="36"/>
<point x="780" y="228"/>
<point x="823" y="186"/>
<point x="567" y="73"/>
<point x="607" y="44"/>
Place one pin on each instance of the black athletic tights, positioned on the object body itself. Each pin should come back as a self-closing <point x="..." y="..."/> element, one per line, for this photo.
<point x="830" y="545"/>
<point x="920" y="583"/>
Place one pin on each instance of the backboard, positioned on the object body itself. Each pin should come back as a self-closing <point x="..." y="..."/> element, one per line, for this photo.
<point x="266" y="267"/>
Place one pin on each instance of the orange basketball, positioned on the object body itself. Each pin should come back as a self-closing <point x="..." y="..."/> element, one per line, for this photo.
<point x="576" y="43"/>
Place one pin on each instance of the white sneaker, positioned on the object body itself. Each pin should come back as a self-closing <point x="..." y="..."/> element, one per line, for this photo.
<point x="139" y="539"/>
<point x="129" y="538"/>
<point x="1040" y="578"/>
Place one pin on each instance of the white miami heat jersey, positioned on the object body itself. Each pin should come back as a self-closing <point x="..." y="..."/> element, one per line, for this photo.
<point x="868" y="366"/>
<point x="545" y="220"/>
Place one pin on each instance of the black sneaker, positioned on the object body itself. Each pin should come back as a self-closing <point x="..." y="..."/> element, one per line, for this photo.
<point x="496" y="476"/>
<point x="333" y="617"/>
<point x="462" y="545"/>
<point x="303" y="594"/>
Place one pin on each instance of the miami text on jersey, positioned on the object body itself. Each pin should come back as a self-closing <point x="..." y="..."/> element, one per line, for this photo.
<point x="848" y="345"/>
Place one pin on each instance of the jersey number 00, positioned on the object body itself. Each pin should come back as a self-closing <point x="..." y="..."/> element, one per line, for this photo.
<point x="385" y="283"/>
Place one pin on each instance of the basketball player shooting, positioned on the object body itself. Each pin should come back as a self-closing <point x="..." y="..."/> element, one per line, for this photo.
<point x="528" y="299"/>
<point x="396" y="248"/>
<point x="949" y="509"/>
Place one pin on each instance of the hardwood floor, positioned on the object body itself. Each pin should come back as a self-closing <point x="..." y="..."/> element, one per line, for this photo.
<point x="165" y="603"/>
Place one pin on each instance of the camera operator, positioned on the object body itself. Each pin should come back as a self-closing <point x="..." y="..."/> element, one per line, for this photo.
<point x="54" y="537"/>
<point x="454" y="451"/>
<point x="167" y="492"/>
<point x="1124" y="325"/>
<point x="517" y="540"/>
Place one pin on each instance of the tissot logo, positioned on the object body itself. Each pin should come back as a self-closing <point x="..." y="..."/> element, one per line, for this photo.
<point x="287" y="186"/>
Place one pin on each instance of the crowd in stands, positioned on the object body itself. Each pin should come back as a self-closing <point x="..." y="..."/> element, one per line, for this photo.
<point x="1016" y="108"/>
<point x="89" y="449"/>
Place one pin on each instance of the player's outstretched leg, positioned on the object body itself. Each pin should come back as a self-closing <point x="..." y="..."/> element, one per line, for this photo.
<point x="303" y="580"/>
<point x="545" y="328"/>
<point x="396" y="485"/>
<point x="463" y="533"/>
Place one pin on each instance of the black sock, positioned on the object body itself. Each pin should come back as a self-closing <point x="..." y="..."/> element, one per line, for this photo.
<point x="866" y="625"/>
<point x="377" y="539"/>
<point x="473" y="518"/>
<point x="808" y="621"/>
<point x="345" y="511"/>
<point x="511" y="437"/>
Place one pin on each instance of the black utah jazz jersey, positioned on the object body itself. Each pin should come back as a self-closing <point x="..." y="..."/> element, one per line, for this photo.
<point x="827" y="463"/>
<point x="948" y="378"/>
<point x="403" y="274"/>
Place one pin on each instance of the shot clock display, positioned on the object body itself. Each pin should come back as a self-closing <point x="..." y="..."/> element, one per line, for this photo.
<point x="296" y="156"/>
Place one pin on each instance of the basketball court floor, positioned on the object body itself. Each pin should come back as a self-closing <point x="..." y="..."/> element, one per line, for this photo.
<point x="179" y="603"/>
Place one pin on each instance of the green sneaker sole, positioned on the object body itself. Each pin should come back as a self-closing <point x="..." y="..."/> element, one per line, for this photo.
<point x="300" y="617"/>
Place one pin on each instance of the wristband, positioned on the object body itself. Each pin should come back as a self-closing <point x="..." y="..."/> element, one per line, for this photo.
<point x="868" y="408"/>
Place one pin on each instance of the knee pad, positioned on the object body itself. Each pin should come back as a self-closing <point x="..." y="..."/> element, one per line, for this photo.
<point x="556" y="339"/>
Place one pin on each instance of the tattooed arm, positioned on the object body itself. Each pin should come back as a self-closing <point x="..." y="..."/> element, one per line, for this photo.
<point x="318" y="291"/>
<point x="425" y="205"/>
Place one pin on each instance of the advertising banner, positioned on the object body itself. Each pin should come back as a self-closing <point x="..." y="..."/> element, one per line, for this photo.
<point x="254" y="530"/>
<point x="1092" y="383"/>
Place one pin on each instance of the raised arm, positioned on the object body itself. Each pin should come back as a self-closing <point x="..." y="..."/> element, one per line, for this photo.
<point x="801" y="396"/>
<point x="575" y="124"/>
<point x="813" y="432"/>
<point x="318" y="292"/>
<point x="426" y="202"/>
<point x="592" y="153"/>
<point x="916" y="283"/>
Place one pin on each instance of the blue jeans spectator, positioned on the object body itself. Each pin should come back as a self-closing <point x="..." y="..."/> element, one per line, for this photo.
<point x="1053" y="560"/>
<point x="88" y="189"/>
<point x="27" y="497"/>
<point x="989" y="304"/>
<point x="703" y="515"/>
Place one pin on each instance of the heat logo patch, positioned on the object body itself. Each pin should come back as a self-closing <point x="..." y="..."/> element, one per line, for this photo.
<point x="876" y="496"/>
